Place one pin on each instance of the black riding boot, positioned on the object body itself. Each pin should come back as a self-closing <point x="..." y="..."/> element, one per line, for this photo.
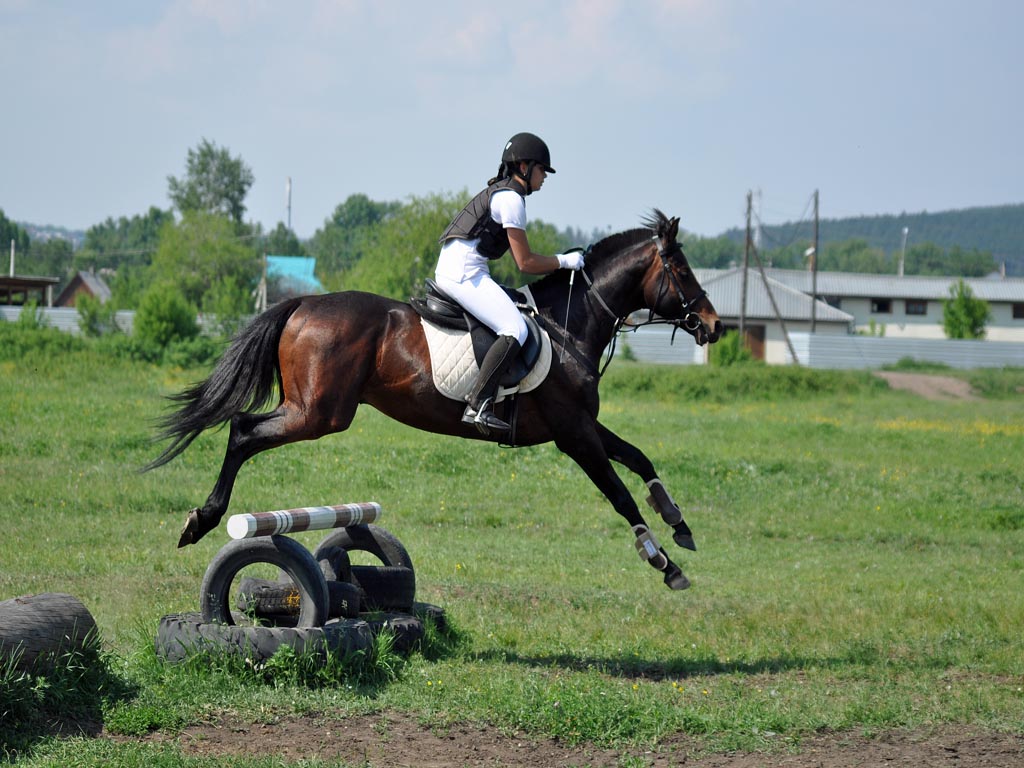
<point x="481" y="399"/>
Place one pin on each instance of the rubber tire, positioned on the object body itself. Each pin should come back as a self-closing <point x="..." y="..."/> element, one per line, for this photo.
<point x="408" y="630"/>
<point x="379" y="542"/>
<point x="179" y="635"/>
<point x="388" y="588"/>
<point x="434" y="613"/>
<point x="280" y="602"/>
<point x="287" y="554"/>
<point x="385" y="588"/>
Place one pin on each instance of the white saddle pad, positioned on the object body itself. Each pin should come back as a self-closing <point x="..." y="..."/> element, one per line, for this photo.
<point x="454" y="365"/>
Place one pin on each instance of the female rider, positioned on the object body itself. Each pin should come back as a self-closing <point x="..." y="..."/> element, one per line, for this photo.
<point x="492" y="223"/>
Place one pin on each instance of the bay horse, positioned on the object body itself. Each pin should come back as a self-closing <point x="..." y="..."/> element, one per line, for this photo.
<point x="326" y="354"/>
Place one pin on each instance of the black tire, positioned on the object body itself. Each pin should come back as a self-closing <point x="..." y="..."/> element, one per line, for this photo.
<point x="279" y="602"/>
<point x="434" y="613"/>
<point x="408" y="630"/>
<point x="287" y="554"/>
<point x="385" y="588"/>
<point x="389" y="587"/>
<point x="180" y="635"/>
<point x="379" y="542"/>
<point x="334" y="564"/>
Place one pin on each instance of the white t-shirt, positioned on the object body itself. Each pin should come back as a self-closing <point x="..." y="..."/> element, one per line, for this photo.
<point x="459" y="259"/>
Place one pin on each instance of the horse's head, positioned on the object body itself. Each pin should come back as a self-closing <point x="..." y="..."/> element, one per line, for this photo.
<point x="670" y="287"/>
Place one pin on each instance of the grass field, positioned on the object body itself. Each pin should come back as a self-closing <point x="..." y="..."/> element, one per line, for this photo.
<point x="860" y="563"/>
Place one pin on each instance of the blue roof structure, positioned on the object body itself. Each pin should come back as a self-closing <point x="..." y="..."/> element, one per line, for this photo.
<point x="294" y="274"/>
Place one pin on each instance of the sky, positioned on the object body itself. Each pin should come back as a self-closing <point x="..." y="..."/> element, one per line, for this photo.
<point x="884" y="106"/>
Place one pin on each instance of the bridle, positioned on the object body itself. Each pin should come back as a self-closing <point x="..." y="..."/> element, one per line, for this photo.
<point x="689" y="322"/>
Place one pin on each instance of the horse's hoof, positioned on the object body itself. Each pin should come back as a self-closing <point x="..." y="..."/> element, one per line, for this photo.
<point x="676" y="580"/>
<point x="684" y="540"/>
<point x="190" y="533"/>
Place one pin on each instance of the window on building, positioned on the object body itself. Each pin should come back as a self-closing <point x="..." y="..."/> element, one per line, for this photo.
<point x="1018" y="310"/>
<point x="881" y="306"/>
<point x="917" y="307"/>
<point x="832" y="301"/>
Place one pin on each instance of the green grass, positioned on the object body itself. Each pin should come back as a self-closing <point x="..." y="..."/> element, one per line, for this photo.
<point x="860" y="560"/>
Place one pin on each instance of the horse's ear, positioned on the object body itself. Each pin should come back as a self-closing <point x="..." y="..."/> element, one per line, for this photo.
<point x="673" y="228"/>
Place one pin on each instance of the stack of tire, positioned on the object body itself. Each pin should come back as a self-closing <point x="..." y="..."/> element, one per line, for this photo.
<point x="321" y="603"/>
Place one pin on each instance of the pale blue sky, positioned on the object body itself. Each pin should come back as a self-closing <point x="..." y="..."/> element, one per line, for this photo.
<point x="884" y="105"/>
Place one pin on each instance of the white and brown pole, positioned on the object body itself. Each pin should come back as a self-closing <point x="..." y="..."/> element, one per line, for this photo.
<point x="253" y="524"/>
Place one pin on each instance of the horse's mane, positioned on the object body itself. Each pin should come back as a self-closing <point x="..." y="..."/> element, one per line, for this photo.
<point x="655" y="224"/>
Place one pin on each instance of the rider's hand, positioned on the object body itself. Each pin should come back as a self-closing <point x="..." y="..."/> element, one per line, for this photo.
<point x="570" y="260"/>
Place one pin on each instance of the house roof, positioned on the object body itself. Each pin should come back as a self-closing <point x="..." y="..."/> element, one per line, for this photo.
<point x="296" y="271"/>
<point x="725" y="289"/>
<point x="852" y="284"/>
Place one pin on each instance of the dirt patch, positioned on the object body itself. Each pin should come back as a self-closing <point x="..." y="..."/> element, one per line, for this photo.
<point x="395" y="740"/>
<point x="930" y="386"/>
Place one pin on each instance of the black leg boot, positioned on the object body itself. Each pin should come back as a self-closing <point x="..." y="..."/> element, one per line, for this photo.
<point x="481" y="399"/>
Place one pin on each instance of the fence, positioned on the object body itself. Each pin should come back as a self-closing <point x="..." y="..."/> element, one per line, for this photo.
<point x="654" y="345"/>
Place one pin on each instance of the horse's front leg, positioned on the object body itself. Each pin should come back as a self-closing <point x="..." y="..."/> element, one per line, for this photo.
<point x="586" y="449"/>
<point x="660" y="499"/>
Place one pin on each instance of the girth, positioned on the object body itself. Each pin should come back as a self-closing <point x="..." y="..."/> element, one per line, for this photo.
<point x="439" y="308"/>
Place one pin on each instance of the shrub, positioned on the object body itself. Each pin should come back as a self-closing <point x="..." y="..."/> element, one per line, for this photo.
<point x="730" y="350"/>
<point x="164" y="316"/>
<point x="20" y="339"/>
<point x="95" y="318"/>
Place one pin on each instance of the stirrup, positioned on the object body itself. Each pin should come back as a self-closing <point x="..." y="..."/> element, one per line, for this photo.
<point x="483" y="418"/>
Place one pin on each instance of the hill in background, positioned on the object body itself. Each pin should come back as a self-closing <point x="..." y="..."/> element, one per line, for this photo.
<point x="996" y="229"/>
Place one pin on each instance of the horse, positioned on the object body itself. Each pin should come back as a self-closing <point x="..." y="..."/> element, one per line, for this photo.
<point x="326" y="354"/>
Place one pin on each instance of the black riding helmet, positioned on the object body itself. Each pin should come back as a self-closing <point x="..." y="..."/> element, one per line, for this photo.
<point x="528" y="148"/>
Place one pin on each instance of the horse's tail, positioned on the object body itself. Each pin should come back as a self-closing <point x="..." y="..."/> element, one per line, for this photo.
<point x="243" y="380"/>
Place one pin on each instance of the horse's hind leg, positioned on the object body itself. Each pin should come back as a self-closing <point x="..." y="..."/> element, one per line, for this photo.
<point x="251" y="433"/>
<point x="587" y="450"/>
<point x="660" y="499"/>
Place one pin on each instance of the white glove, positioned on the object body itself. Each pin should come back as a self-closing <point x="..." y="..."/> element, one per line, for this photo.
<point x="570" y="260"/>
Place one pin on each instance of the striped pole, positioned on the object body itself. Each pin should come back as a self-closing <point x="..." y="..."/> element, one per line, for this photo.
<point x="302" y="519"/>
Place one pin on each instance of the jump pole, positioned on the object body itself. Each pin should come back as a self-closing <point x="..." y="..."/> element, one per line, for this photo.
<point x="253" y="524"/>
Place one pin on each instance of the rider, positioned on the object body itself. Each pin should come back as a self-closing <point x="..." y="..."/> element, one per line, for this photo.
<point x="493" y="222"/>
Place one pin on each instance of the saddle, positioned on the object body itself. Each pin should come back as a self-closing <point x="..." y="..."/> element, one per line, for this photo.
<point x="453" y="335"/>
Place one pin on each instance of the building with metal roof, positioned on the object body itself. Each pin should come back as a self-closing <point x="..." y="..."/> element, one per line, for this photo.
<point x="907" y="306"/>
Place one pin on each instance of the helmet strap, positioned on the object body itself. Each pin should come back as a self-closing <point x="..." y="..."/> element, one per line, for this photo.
<point x="529" y="175"/>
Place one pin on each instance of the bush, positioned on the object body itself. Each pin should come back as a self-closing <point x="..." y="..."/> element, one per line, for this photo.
<point x="95" y="318"/>
<point x="31" y="317"/>
<point x="17" y="340"/>
<point x="730" y="350"/>
<point x="194" y="353"/>
<point x="164" y="317"/>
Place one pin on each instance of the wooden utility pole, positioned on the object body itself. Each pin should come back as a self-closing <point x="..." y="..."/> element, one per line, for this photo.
<point x="743" y="284"/>
<point x="814" y="269"/>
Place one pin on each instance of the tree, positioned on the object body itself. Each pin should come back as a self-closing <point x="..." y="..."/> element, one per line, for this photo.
<point x="51" y="257"/>
<point x="963" y="315"/>
<point x="283" y="242"/>
<point x="127" y="242"/>
<point x="11" y="231"/>
<point x="342" y="240"/>
<point x="854" y="256"/>
<point x="403" y="249"/>
<point x="712" y="253"/>
<point x="203" y="258"/>
<point x="214" y="182"/>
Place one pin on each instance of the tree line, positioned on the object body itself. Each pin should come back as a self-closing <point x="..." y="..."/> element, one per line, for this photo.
<point x="203" y="252"/>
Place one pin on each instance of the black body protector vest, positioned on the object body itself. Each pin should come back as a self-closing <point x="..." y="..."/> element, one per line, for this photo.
<point x="475" y="221"/>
